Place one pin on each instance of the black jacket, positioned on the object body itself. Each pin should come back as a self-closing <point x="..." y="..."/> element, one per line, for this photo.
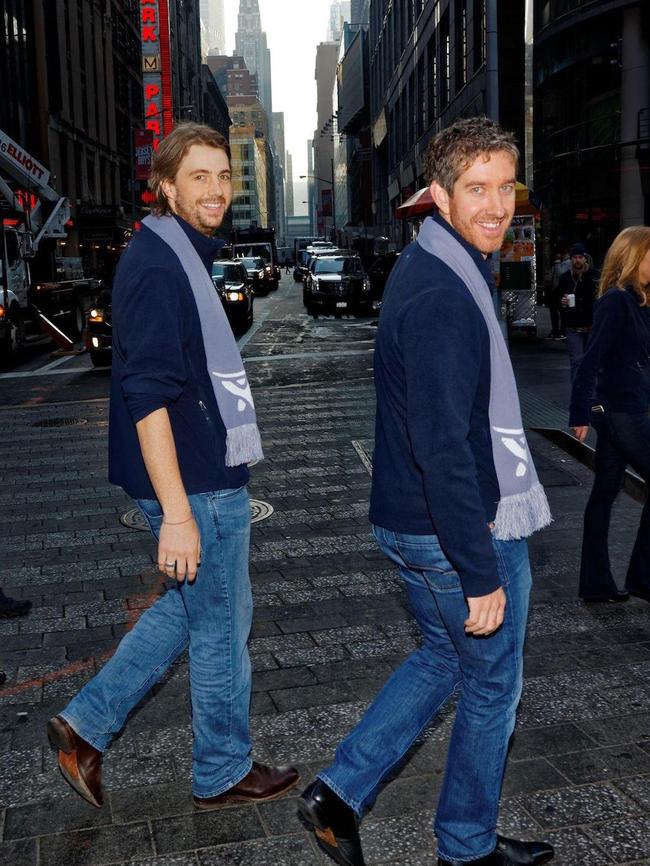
<point x="615" y="370"/>
<point x="585" y="288"/>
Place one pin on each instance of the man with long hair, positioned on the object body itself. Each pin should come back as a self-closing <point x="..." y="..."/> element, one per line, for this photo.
<point x="454" y="496"/>
<point x="182" y="429"/>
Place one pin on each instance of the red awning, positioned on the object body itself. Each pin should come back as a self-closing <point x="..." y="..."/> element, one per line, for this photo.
<point x="419" y="204"/>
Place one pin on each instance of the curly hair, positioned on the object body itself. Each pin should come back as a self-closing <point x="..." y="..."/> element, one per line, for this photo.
<point x="172" y="151"/>
<point x="452" y="150"/>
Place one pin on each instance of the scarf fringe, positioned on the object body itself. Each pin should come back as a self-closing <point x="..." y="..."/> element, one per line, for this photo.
<point x="243" y="445"/>
<point x="521" y="514"/>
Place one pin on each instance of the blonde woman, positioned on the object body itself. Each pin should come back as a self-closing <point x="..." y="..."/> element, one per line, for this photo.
<point x="611" y="392"/>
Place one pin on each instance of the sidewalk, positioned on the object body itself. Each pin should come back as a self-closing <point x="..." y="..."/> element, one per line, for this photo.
<point x="330" y="624"/>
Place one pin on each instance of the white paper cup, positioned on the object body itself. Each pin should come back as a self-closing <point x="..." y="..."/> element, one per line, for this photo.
<point x="572" y="300"/>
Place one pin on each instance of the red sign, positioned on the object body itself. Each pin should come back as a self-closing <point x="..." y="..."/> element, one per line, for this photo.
<point x="143" y="153"/>
<point x="156" y="68"/>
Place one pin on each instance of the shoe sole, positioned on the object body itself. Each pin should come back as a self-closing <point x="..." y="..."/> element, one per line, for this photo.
<point x="59" y="735"/>
<point x="325" y="838"/>
<point x="234" y="800"/>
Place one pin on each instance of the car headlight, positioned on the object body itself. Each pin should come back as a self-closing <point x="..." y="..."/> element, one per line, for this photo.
<point x="96" y="315"/>
<point x="268" y="269"/>
<point x="260" y="274"/>
<point x="366" y="284"/>
<point x="235" y="296"/>
<point x="314" y="283"/>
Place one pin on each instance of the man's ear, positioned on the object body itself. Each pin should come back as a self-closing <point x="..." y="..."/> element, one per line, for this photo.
<point x="440" y="197"/>
<point x="169" y="190"/>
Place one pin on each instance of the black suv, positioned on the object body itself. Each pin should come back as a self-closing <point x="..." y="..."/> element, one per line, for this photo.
<point x="261" y="280"/>
<point x="231" y="280"/>
<point x="337" y="284"/>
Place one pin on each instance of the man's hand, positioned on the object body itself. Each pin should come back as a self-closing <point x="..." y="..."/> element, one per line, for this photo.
<point x="565" y="301"/>
<point x="485" y="613"/>
<point x="179" y="550"/>
<point x="580" y="433"/>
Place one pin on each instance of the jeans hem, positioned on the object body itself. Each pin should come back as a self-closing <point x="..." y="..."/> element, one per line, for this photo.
<point x="78" y="729"/>
<point x="222" y="788"/>
<point x="473" y="859"/>
<point x="339" y="793"/>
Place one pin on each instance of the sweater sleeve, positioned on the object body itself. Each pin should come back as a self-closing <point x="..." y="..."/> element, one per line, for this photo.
<point x="442" y="361"/>
<point x="149" y="333"/>
<point x="609" y="319"/>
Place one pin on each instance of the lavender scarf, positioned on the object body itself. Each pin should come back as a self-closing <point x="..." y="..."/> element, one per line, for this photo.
<point x="523" y="507"/>
<point x="227" y="374"/>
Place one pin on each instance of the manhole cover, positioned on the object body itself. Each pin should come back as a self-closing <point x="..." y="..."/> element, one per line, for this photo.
<point x="134" y="519"/>
<point x="60" y="422"/>
<point x="260" y="510"/>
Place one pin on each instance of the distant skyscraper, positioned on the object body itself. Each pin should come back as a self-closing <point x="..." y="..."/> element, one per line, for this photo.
<point x="288" y="192"/>
<point x="360" y="11"/>
<point x="250" y="41"/>
<point x="214" y="28"/>
<point x="339" y="12"/>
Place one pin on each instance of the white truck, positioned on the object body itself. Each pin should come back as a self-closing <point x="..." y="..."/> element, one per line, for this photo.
<point x="40" y="293"/>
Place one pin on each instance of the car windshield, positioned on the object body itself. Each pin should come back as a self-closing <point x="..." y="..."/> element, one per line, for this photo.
<point x="252" y="264"/>
<point x="230" y="272"/>
<point x="346" y="265"/>
<point x="249" y="251"/>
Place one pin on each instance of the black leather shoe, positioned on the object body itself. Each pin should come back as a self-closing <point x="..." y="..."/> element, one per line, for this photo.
<point x="639" y="593"/>
<point x="509" y="852"/>
<point x="612" y="597"/>
<point x="334" y="824"/>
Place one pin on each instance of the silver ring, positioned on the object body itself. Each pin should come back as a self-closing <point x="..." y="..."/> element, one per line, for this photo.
<point x="170" y="565"/>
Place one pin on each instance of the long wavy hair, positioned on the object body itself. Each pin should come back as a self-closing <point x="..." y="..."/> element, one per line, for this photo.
<point x="622" y="262"/>
<point x="171" y="153"/>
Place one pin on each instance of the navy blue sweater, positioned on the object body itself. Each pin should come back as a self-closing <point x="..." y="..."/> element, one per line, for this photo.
<point x="159" y="361"/>
<point x="615" y="370"/>
<point x="433" y="465"/>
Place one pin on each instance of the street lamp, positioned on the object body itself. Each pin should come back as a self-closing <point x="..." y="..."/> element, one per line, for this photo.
<point x="330" y="181"/>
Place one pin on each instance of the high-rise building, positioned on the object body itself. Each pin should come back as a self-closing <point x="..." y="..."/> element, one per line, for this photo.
<point x="289" y="204"/>
<point x="326" y="61"/>
<point x="339" y="12"/>
<point x="214" y="28"/>
<point x="360" y="11"/>
<point x="251" y="44"/>
<point x="592" y="120"/>
<point x="277" y="127"/>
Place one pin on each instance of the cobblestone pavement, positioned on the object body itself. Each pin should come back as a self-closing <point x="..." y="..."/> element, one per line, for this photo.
<point x="331" y="622"/>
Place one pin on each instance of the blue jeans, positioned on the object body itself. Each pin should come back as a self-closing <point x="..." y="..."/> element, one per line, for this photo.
<point x="622" y="439"/>
<point x="577" y="343"/>
<point x="213" y="616"/>
<point x="488" y="672"/>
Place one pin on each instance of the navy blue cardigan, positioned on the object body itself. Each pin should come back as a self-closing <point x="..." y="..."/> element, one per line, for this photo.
<point x="615" y="370"/>
<point x="433" y="465"/>
<point x="159" y="361"/>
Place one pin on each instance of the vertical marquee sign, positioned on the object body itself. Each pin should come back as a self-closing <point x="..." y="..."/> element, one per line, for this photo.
<point x="156" y="67"/>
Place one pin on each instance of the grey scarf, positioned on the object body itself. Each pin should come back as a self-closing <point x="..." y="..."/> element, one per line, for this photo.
<point x="226" y="368"/>
<point x="523" y="507"/>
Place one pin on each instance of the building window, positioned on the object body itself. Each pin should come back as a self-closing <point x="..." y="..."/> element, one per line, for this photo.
<point x="444" y="78"/>
<point x="480" y="29"/>
<point x="433" y="79"/>
<point x="460" y="48"/>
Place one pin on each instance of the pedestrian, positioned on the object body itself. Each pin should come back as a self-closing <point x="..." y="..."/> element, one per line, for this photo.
<point x="454" y="494"/>
<point x="12" y="607"/>
<point x="561" y="265"/>
<point x="577" y="288"/>
<point x="182" y="429"/>
<point x="611" y="393"/>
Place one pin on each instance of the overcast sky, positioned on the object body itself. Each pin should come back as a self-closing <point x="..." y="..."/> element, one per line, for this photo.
<point x="293" y="29"/>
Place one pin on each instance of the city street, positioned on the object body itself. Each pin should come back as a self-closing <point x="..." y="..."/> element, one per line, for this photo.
<point x="330" y="624"/>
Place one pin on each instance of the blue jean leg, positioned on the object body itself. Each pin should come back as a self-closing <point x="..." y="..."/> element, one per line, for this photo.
<point x="489" y="671"/>
<point x="213" y="615"/>
<point x="577" y="343"/>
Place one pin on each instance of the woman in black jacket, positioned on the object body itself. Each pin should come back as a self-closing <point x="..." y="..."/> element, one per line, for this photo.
<point x="611" y="392"/>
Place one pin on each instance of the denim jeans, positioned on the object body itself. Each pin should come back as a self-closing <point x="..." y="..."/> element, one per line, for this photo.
<point x="213" y="617"/>
<point x="577" y="343"/>
<point x="622" y="439"/>
<point x="486" y="670"/>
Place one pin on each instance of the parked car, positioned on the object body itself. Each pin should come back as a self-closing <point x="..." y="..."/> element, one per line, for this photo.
<point x="378" y="272"/>
<point x="337" y="284"/>
<point x="257" y="273"/>
<point x="231" y="280"/>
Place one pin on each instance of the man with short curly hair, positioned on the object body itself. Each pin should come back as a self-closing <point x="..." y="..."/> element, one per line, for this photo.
<point x="454" y="496"/>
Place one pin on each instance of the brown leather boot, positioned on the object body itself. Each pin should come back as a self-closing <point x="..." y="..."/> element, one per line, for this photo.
<point x="79" y="762"/>
<point x="261" y="784"/>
